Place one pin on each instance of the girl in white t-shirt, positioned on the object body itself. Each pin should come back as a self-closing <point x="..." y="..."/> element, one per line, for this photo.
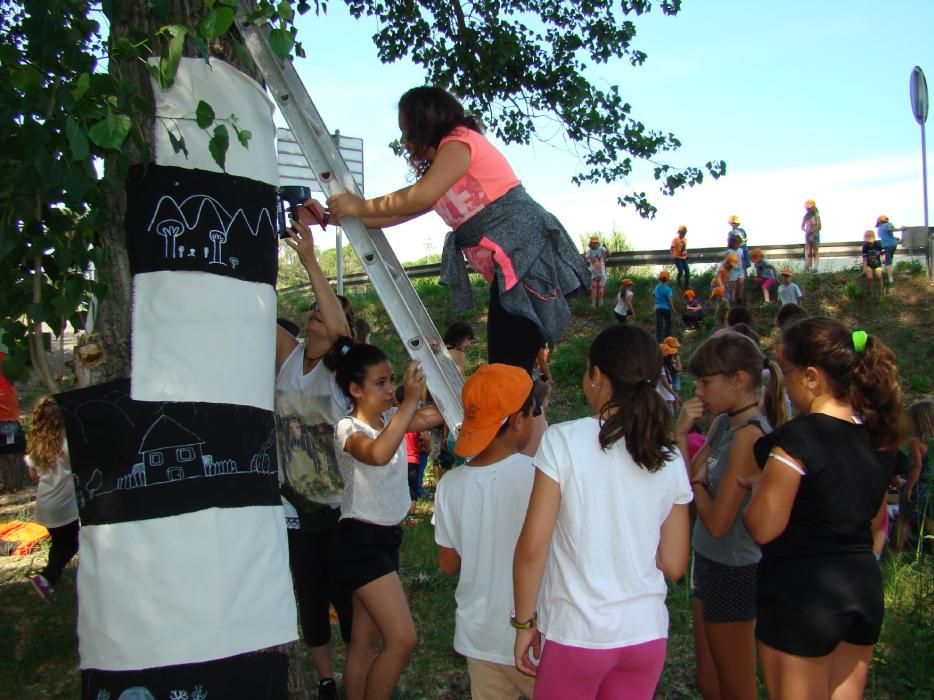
<point x="623" y="309"/>
<point x="56" y="505"/>
<point x="372" y="460"/>
<point x="609" y="514"/>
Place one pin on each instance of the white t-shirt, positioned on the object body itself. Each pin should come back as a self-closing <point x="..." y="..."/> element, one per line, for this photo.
<point x="622" y="302"/>
<point x="378" y="495"/>
<point x="789" y="293"/>
<point x="56" y="504"/>
<point x="308" y="405"/>
<point x="479" y="511"/>
<point x="601" y="587"/>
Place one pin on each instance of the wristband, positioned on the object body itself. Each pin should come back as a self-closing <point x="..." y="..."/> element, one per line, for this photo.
<point x="702" y="482"/>
<point x="527" y="625"/>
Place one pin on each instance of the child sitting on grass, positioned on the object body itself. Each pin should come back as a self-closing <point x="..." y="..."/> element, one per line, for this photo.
<point x="479" y="511"/>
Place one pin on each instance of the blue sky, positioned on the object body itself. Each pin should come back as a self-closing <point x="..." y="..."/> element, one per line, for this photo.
<point x="802" y="99"/>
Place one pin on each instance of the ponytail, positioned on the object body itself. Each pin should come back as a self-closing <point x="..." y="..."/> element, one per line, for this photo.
<point x="876" y="395"/>
<point x="775" y="398"/>
<point x="860" y="369"/>
<point x="631" y="360"/>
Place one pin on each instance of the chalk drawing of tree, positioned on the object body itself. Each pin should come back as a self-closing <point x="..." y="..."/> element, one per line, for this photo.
<point x="199" y="693"/>
<point x="170" y="229"/>
<point x="179" y="695"/>
<point x="218" y="239"/>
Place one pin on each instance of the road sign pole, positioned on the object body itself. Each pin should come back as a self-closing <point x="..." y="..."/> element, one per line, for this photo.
<point x="918" y="94"/>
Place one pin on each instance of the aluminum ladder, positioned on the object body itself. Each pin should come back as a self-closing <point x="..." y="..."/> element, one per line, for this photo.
<point x="406" y="311"/>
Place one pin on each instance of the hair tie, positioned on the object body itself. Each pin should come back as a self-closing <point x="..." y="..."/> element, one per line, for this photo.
<point x="648" y="382"/>
<point x="345" y="349"/>
<point x="859" y="341"/>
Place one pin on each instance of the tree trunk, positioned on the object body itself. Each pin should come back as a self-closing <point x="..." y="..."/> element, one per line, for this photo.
<point x="113" y="320"/>
<point x="13" y="474"/>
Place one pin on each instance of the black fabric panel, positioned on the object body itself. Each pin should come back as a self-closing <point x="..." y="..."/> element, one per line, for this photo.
<point x="259" y="676"/>
<point x="135" y="460"/>
<point x="197" y="221"/>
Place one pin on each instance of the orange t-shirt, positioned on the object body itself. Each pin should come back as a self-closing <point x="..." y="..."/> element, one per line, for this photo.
<point x="679" y="248"/>
<point x="9" y="405"/>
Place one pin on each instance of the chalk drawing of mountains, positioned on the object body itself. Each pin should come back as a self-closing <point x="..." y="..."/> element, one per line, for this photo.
<point x="211" y="219"/>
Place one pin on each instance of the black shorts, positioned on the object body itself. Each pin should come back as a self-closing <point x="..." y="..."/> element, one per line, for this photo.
<point x="312" y="558"/>
<point x="366" y="552"/>
<point x="413" y="480"/>
<point x="808" y="606"/>
<point x="510" y="339"/>
<point x="728" y="593"/>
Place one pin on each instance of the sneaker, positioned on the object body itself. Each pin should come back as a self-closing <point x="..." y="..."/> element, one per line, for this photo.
<point x="42" y="587"/>
<point x="327" y="689"/>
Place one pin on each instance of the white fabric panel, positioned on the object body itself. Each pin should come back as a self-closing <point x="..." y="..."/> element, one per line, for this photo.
<point x="203" y="337"/>
<point x="228" y="91"/>
<point x="187" y="589"/>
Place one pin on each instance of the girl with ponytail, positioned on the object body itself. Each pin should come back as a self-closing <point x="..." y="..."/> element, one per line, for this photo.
<point x="609" y="502"/>
<point x="729" y="371"/>
<point x="819" y="586"/>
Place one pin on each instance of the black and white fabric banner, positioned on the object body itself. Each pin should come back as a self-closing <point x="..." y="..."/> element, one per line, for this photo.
<point x="184" y="583"/>
<point x="198" y="221"/>
<point x="261" y="675"/>
<point x="136" y="460"/>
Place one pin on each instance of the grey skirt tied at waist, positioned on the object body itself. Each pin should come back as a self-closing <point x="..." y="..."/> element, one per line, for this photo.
<point x="540" y="253"/>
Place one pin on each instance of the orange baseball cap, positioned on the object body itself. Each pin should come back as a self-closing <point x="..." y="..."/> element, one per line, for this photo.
<point x="717" y="293"/>
<point x="664" y="275"/>
<point x="755" y="254"/>
<point x="672" y="342"/>
<point x="627" y="282"/>
<point x="689" y="294"/>
<point x="490" y="395"/>
<point x="667" y="350"/>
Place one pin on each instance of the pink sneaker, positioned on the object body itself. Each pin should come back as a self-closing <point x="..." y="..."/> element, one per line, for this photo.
<point x="42" y="587"/>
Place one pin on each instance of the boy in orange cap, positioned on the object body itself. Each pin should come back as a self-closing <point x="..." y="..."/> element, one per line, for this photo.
<point x="693" y="310"/>
<point x="788" y="291"/>
<point x="679" y="254"/>
<point x="596" y="259"/>
<point x="664" y="305"/>
<point x="479" y="512"/>
<point x="623" y="310"/>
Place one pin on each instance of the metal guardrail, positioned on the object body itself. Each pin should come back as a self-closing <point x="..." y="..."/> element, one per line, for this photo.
<point x="912" y="245"/>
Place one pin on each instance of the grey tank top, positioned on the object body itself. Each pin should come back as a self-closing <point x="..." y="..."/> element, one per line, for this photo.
<point x="736" y="547"/>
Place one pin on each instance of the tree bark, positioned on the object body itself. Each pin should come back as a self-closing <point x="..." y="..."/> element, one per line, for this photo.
<point x="113" y="320"/>
<point x="13" y="475"/>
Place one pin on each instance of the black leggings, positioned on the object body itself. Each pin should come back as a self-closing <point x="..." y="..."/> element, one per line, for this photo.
<point x="64" y="547"/>
<point x="511" y="340"/>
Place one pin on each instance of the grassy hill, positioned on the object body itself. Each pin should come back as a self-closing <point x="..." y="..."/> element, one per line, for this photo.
<point x="38" y="644"/>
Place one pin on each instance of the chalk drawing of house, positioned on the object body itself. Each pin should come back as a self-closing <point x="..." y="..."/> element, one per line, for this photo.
<point x="170" y="452"/>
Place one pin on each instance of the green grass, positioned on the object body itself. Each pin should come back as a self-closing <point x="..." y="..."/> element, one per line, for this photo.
<point x="38" y="651"/>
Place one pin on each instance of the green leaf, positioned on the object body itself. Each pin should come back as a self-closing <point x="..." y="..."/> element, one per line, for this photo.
<point x="168" y="65"/>
<point x="81" y="87"/>
<point x="178" y="143"/>
<point x="204" y="114"/>
<point x="111" y="131"/>
<point x="77" y="139"/>
<point x="25" y="78"/>
<point x="216" y="23"/>
<point x="218" y="145"/>
<point x="244" y="136"/>
<point x="280" y="41"/>
<point x="285" y="11"/>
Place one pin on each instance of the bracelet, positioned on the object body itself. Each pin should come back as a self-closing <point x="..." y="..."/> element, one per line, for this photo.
<point x="702" y="482"/>
<point x="527" y="625"/>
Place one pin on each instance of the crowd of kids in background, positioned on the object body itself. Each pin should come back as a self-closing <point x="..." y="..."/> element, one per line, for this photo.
<point x="563" y="537"/>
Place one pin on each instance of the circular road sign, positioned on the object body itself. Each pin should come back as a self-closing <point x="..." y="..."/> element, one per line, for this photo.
<point x="918" y="90"/>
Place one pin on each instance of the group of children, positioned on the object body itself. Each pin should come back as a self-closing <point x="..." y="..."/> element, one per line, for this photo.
<point x="563" y="556"/>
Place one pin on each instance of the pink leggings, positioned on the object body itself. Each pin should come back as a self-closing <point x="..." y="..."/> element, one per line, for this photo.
<point x="625" y="672"/>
